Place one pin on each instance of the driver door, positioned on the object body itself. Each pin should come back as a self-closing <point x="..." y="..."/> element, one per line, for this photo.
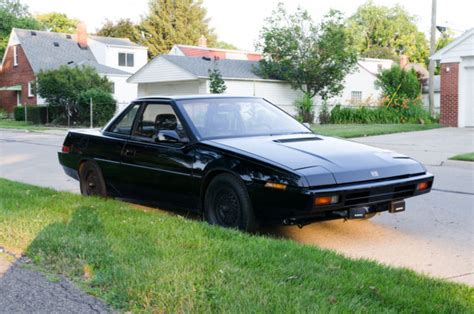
<point x="159" y="166"/>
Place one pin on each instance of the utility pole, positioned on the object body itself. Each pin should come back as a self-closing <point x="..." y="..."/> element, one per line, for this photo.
<point x="431" y="67"/>
<point x="91" y="113"/>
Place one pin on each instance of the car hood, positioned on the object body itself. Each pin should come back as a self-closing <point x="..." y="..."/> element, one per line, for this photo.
<point x="303" y="153"/>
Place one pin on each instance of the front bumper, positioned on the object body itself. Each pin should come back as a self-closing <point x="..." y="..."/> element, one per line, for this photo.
<point x="374" y="196"/>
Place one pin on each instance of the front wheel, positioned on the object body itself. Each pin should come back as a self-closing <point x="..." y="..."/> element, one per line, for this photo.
<point x="227" y="204"/>
<point x="92" y="182"/>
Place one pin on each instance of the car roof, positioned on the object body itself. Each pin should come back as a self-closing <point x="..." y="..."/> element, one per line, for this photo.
<point x="198" y="96"/>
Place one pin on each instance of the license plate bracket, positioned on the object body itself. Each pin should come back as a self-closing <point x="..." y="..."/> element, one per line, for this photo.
<point x="397" y="206"/>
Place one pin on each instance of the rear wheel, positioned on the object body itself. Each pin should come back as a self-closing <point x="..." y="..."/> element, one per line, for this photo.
<point x="227" y="204"/>
<point x="92" y="182"/>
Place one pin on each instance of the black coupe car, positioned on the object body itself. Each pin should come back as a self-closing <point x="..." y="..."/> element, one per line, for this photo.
<point x="240" y="161"/>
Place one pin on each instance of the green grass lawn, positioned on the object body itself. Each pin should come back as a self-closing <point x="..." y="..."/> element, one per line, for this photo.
<point x="141" y="260"/>
<point x="359" y="130"/>
<point x="464" y="157"/>
<point x="13" y="124"/>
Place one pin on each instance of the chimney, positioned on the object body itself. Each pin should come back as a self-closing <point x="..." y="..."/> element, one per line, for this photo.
<point x="202" y="41"/>
<point x="403" y="61"/>
<point x="81" y="35"/>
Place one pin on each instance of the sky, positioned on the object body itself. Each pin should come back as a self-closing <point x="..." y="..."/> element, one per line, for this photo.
<point x="239" y="21"/>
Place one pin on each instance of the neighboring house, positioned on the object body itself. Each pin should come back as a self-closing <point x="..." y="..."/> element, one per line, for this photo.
<point x="457" y="81"/>
<point x="30" y="51"/>
<point x="175" y="74"/>
<point x="203" y="51"/>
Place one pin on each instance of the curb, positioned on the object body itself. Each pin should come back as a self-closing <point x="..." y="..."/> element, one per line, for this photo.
<point x="469" y="165"/>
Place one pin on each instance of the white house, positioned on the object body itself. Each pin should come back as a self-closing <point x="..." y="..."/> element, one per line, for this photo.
<point x="178" y="74"/>
<point x="457" y="81"/>
<point x="30" y="51"/>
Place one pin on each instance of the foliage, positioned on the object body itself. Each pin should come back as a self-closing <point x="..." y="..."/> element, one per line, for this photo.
<point x="312" y="58"/>
<point x="14" y="14"/>
<point x="224" y="45"/>
<point x="446" y="38"/>
<point x="3" y="113"/>
<point x="35" y="114"/>
<point x="175" y="22"/>
<point x="359" y="130"/>
<point x="305" y="108"/>
<point x="103" y="109"/>
<point x="123" y="28"/>
<point x="57" y="22"/>
<point x="412" y="113"/>
<point x="61" y="88"/>
<point x="324" y="114"/>
<point x="387" y="32"/>
<point x="216" y="83"/>
<point x="398" y="86"/>
<point x="140" y="260"/>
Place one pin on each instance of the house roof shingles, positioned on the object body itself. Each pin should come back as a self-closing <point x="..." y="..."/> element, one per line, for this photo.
<point x="44" y="54"/>
<point x="198" y="66"/>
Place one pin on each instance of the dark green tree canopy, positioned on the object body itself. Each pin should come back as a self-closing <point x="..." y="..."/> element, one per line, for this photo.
<point x="57" y="22"/>
<point x="14" y="14"/>
<point x="314" y="58"/>
<point x="387" y="32"/>
<point x="123" y="28"/>
<point x="172" y="22"/>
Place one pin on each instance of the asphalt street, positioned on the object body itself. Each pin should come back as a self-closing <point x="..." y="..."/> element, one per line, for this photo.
<point x="435" y="235"/>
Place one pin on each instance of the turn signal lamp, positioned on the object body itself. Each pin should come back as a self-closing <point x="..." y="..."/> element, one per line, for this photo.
<point x="326" y="200"/>
<point x="273" y="185"/>
<point x="422" y="186"/>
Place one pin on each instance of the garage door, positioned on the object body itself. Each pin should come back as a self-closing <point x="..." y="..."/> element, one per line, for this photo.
<point x="469" y="97"/>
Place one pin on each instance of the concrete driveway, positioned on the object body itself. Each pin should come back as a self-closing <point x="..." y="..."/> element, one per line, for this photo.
<point x="435" y="235"/>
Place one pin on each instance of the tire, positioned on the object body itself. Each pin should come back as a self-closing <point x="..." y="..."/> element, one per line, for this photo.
<point x="227" y="204"/>
<point x="91" y="180"/>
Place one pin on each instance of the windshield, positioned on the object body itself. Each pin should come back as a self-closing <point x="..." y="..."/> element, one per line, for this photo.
<point x="236" y="117"/>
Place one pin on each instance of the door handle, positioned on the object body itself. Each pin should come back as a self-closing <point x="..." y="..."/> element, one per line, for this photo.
<point x="129" y="153"/>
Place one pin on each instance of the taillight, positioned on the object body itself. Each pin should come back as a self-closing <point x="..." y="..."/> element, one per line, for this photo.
<point x="66" y="149"/>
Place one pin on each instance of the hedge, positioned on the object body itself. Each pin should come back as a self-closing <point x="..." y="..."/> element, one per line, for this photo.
<point x="35" y="114"/>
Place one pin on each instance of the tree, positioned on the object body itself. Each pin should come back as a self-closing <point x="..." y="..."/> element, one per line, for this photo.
<point x="224" y="45"/>
<point x="14" y="14"/>
<point x="123" y="28"/>
<point x="445" y="39"/>
<point x="387" y="32"/>
<point x="216" y="83"/>
<point x="398" y="86"/>
<point x="57" y="22"/>
<point x="175" y="22"/>
<point x="312" y="58"/>
<point x="62" y="88"/>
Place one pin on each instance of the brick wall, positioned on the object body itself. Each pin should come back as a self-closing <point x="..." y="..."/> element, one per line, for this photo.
<point x="16" y="75"/>
<point x="449" y="94"/>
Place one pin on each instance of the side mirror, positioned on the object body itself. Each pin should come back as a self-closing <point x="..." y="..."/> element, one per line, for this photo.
<point x="169" y="136"/>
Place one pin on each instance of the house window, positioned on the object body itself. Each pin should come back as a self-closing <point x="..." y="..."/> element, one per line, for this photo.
<point x="15" y="57"/>
<point x="125" y="59"/>
<point x="113" y="87"/>
<point x="31" y="86"/>
<point x="356" y="97"/>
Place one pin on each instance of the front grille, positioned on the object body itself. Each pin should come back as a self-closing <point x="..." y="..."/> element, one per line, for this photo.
<point x="381" y="194"/>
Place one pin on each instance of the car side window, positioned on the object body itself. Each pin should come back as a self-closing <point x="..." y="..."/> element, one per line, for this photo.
<point x="159" y="123"/>
<point x="124" y="126"/>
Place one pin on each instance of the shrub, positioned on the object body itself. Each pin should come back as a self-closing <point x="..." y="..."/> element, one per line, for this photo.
<point x="398" y="86"/>
<point x="104" y="107"/>
<point x="324" y="115"/>
<point x="3" y="113"/>
<point x="305" y="108"/>
<point x="35" y="114"/>
<point x="411" y="112"/>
